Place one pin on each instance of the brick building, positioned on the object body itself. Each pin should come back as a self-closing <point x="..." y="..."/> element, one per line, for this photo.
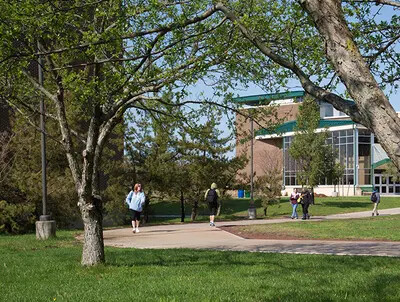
<point x="357" y="148"/>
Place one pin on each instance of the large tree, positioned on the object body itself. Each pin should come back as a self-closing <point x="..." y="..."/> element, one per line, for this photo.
<point x="326" y="44"/>
<point x="99" y="59"/>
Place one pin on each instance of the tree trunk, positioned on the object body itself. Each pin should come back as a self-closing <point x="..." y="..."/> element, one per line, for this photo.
<point x="372" y="109"/>
<point x="182" y="207"/>
<point x="377" y="114"/>
<point x="194" y="210"/>
<point x="312" y="196"/>
<point x="146" y="209"/>
<point x="93" y="246"/>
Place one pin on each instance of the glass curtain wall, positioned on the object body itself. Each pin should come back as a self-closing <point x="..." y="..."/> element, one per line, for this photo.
<point x="290" y="165"/>
<point x="343" y="143"/>
<point x="364" y="157"/>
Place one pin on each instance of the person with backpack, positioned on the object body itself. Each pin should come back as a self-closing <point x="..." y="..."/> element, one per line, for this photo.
<point x="375" y="198"/>
<point x="293" y="201"/>
<point x="135" y="201"/>
<point x="211" y="196"/>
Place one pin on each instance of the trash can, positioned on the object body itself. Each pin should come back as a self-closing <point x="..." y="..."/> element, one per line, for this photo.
<point x="240" y="193"/>
<point x="247" y="194"/>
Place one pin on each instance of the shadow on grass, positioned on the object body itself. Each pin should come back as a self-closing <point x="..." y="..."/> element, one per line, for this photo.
<point x="328" y="278"/>
<point x="193" y="275"/>
<point x="347" y="204"/>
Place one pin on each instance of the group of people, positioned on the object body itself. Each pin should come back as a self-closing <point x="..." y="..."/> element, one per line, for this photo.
<point x="136" y="200"/>
<point x="304" y="198"/>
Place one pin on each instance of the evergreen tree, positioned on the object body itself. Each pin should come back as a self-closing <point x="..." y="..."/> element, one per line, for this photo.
<point x="179" y="161"/>
<point x="315" y="159"/>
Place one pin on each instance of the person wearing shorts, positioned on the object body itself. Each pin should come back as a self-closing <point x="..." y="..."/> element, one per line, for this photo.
<point x="135" y="201"/>
<point x="211" y="196"/>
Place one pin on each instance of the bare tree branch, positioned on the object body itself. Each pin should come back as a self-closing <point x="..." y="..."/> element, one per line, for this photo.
<point x="377" y="2"/>
<point x="341" y="104"/>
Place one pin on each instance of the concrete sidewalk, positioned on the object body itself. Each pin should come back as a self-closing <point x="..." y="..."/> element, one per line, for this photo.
<point x="202" y="236"/>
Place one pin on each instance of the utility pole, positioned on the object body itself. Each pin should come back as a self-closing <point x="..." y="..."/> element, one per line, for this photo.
<point x="252" y="208"/>
<point x="45" y="228"/>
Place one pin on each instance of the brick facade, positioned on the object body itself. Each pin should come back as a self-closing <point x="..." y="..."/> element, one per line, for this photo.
<point x="267" y="153"/>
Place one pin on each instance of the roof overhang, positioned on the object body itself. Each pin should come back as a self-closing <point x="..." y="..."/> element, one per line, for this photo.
<point x="288" y="128"/>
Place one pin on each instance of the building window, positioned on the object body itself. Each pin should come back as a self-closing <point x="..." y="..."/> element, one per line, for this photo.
<point x="364" y="157"/>
<point x="343" y="144"/>
<point x="290" y="165"/>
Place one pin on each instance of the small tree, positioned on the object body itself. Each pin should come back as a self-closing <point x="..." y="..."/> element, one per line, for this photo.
<point x="332" y="169"/>
<point x="268" y="186"/>
<point x="204" y="158"/>
<point x="392" y="171"/>
<point x="309" y="147"/>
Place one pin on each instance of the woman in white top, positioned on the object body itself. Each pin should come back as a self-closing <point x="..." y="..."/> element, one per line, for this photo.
<point x="293" y="201"/>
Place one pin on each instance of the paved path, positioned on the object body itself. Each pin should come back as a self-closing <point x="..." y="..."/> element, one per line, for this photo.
<point x="202" y="236"/>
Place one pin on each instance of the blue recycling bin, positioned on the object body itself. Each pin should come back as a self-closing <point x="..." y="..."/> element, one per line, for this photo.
<point x="240" y="193"/>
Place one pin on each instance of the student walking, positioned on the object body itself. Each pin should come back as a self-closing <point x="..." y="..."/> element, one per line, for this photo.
<point x="293" y="201"/>
<point x="306" y="200"/>
<point x="211" y="196"/>
<point x="135" y="201"/>
<point x="376" y="199"/>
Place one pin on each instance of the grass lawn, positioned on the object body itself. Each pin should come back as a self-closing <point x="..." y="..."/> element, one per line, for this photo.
<point x="237" y="208"/>
<point x="373" y="228"/>
<point x="32" y="270"/>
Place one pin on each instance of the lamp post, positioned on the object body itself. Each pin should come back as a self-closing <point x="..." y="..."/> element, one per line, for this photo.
<point x="45" y="227"/>
<point x="252" y="209"/>
<point x="43" y="217"/>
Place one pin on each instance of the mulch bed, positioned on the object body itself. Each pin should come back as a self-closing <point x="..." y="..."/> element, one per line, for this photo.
<point x="249" y="235"/>
<point x="281" y="236"/>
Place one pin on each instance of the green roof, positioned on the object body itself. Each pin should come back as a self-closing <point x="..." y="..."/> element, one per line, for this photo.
<point x="290" y="126"/>
<point x="266" y="98"/>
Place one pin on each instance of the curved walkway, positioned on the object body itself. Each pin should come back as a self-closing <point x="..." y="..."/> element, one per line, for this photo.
<point x="202" y="236"/>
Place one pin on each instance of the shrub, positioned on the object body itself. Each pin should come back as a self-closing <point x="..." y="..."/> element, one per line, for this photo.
<point x="16" y="218"/>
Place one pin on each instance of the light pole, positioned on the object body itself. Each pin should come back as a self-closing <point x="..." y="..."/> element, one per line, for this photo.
<point x="43" y="217"/>
<point x="45" y="227"/>
<point x="252" y="209"/>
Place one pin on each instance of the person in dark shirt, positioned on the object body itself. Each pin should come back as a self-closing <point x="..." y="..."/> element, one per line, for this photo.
<point x="305" y="201"/>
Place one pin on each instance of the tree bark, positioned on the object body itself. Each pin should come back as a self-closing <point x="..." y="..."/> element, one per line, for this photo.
<point x="182" y="207"/>
<point x="372" y="109"/>
<point x="377" y="114"/>
<point x="93" y="246"/>
<point x="195" y="207"/>
<point x="146" y="209"/>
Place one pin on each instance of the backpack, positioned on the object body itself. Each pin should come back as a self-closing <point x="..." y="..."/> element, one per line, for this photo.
<point x="212" y="196"/>
<point x="374" y="198"/>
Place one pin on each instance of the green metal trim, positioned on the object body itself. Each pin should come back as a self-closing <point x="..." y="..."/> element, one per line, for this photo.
<point x="380" y="163"/>
<point x="263" y="99"/>
<point x="369" y="188"/>
<point x="355" y="154"/>
<point x="291" y="125"/>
